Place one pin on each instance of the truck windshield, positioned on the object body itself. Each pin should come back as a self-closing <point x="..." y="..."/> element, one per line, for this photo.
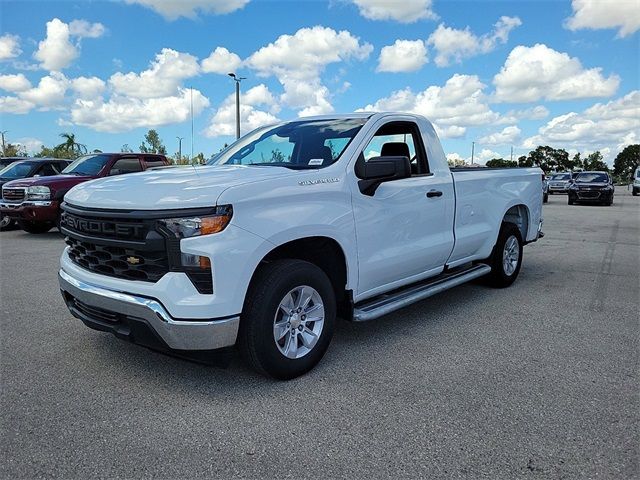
<point x="592" y="177"/>
<point x="304" y="144"/>
<point x="87" y="165"/>
<point x="16" y="170"/>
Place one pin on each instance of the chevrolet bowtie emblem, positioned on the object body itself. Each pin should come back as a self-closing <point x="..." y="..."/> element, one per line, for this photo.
<point x="133" y="260"/>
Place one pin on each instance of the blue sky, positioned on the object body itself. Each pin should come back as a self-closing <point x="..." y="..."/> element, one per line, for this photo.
<point x="501" y="74"/>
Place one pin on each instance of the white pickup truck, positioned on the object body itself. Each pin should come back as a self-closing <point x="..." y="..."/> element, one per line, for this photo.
<point x="295" y="224"/>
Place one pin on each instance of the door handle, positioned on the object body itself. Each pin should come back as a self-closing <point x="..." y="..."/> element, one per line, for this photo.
<point x="434" y="193"/>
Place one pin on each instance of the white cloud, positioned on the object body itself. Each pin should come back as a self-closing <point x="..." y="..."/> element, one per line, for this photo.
<point x="122" y="113"/>
<point x="88" y="87"/>
<point x="455" y="45"/>
<point x="84" y="29"/>
<point x="174" y="9"/>
<point x="508" y="136"/>
<point x="598" y="14"/>
<point x="604" y="125"/>
<point x="458" y="104"/>
<point x="15" y="105"/>
<point x="532" y="73"/>
<point x="404" y="11"/>
<point x="162" y="79"/>
<point x="49" y="93"/>
<point x="56" y="52"/>
<point x="221" y="61"/>
<point x="14" y="83"/>
<point x="403" y="56"/>
<point x="223" y="122"/>
<point x="534" y="113"/>
<point x="298" y="61"/>
<point x="9" y="47"/>
<point x="31" y="145"/>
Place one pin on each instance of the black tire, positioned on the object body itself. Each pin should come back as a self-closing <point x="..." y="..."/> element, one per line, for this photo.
<point x="570" y="201"/>
<point x="545" y="198"/>
<point x="271" y="284"/>
<point x="498" y="278"/>
<point x="35" y="227"/>
<point x="6" y="223"/>
<point x="634" y="192"/>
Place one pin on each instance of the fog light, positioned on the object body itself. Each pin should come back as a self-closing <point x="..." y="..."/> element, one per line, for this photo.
<point x="190" y="260"/>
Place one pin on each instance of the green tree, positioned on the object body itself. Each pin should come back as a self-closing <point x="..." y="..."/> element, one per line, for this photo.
<point x="626" y="162"/>
<point x="152" y="143"/>
<point x="595" y="162"/>
<point x="13" y="150"/>
<point x="525" y="161"/>
<point x="126" y="148"/>
<point x="47" y="152"/>
<point x="501" y="163"/>
<point x="69" y="147"/>
<point x="198" y="159"/>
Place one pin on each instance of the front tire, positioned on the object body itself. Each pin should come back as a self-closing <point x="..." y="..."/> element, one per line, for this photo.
<point x="288" y="318"/>
<point x="35" y="227"/>
<point x="570" y="201"/>
<point x="506" y="258"/>
<point x="6" y="223"/>
<point x="545" y="198"/>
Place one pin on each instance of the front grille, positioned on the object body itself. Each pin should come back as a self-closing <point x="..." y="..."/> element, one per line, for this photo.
<point x="588" y="194"/>
<point x="121" y="262"/>
<point x="13" y="194"/>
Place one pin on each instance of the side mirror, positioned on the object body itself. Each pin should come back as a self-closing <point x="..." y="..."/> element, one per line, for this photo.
<point x="380" y="169"/>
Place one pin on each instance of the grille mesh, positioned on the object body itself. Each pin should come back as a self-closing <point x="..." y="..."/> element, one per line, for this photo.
<point x="118" y="262"/>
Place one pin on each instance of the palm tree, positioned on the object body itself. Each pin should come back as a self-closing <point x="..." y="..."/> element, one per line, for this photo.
<point x="70" y="146"/>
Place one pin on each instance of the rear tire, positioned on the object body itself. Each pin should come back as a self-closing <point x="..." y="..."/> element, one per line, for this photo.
<point x="545" y="198"/>
<point x="506" y="258"/>
<point x="570" y="201"/>
<point x="35" y="227"/>
<point x="275" y="307"/>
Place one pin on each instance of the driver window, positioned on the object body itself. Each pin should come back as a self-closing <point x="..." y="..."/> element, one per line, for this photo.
<point x="399" y="139"/>
<point x="47" y="170"/>
<point x="125" y="165"/>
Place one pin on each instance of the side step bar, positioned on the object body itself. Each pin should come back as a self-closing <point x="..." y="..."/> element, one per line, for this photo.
<point x="390" y="302"/>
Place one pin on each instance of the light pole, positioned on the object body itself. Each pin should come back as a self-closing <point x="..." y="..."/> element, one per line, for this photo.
<point x="473" y="150"/>
<point x="3" y="147"/>
<point x="237" y="80"/>
<point x="179" y="149"/>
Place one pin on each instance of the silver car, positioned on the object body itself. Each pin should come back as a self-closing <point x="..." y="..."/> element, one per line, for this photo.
<point x="559" y="183"/>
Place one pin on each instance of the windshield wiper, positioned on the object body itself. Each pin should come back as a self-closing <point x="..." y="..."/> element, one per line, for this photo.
<point x="290" y="166"/>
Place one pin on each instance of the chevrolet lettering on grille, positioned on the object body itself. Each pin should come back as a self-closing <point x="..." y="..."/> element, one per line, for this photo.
<point x="97" y="226"/>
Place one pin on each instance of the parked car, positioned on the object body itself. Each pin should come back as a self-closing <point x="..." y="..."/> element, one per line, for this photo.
<point x="559" y="182"/>
<point x="35" y="202"/>
<point x="635" y="186"/>
<point x="592" y="187"/>
<point x="26" y="168"/>
<point x="284" y="232"/>
<point x="6" y="161"/>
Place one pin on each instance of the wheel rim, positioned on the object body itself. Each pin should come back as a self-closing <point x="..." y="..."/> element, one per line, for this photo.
<point x="510" y="255"/>
<point x="5" y="221"/>
<point x="298" y="323"/>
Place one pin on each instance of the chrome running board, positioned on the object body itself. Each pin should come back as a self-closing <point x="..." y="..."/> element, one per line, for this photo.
<point x="390" y="302"/>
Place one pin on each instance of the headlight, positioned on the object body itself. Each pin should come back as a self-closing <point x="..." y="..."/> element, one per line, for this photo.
<point x="38" y="193"/>
<point x="186" y="227"/>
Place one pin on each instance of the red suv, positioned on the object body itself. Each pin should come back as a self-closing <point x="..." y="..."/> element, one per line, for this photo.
<point x="35" y="202"/>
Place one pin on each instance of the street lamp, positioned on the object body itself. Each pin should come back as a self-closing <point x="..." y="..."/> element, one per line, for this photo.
<point x="237" y="80"/>
<point x="179" y="149"/>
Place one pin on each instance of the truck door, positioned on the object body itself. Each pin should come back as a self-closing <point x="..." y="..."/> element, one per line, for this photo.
<point x="405" y="229"/>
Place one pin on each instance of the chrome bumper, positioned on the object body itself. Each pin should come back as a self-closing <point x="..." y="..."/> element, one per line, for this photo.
<point x="26" y="203"/>
<point x="177" y="334"/>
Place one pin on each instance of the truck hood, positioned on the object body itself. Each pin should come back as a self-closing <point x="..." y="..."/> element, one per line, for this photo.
<point x="55" y="182"/>
<point x="170" y="188"/>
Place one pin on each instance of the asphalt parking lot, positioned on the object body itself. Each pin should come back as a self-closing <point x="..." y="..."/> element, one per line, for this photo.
<point x="539" y="380"/>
